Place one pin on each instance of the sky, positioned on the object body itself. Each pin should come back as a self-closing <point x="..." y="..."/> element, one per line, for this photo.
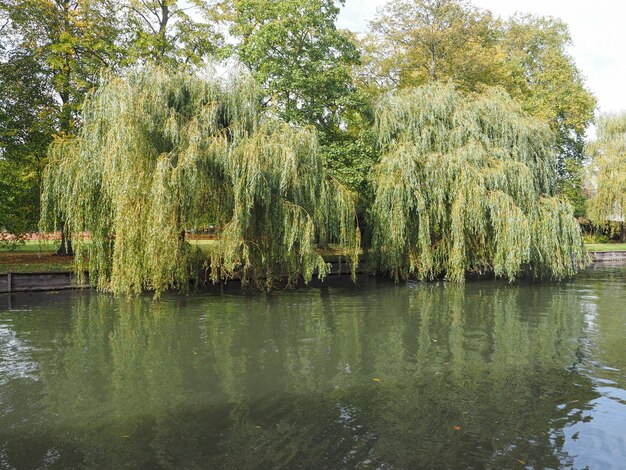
<point x="597" y="30"/>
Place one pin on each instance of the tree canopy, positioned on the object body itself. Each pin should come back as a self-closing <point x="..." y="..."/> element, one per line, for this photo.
<point x="548" y="84"/>
<point x="296" y="53"/>
<point x="71" y="40"/>
<point x="52" y="53"/>
<point x="466" y="183"/>
<point x="161" y="152"/>
<point x="303" y="62"/>
<point x="27" y="121"/>
<point x="172" y="32"/>
<point x="414" y="42"/>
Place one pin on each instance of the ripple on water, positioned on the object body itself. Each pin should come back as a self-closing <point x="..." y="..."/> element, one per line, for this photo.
<point x="593" y="442"/>
<point x="486" y="375"/>
<point x="15" y="361"/>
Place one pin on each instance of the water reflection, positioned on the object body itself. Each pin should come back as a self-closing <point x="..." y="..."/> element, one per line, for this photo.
<point x="384" y="377"/>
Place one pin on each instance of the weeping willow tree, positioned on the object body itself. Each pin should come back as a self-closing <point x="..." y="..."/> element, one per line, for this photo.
<point x="609" y="171"/>
<point x="163" y="152"/>
<point x="467" y="184"/>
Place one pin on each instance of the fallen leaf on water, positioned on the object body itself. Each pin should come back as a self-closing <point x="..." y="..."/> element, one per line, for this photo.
<point x="125" y="436"/>
<point x="376" y="380"/>
<point x="457" y="427"/>
<point x="522" y="462"/>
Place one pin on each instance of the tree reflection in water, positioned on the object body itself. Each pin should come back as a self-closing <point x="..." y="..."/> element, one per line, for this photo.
<point x="424" y="375"/>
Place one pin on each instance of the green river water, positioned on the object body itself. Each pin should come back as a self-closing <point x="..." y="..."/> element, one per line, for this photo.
<point x="486" y="375"/>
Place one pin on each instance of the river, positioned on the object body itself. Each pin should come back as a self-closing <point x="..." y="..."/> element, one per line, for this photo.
<point x="486" y="375"/>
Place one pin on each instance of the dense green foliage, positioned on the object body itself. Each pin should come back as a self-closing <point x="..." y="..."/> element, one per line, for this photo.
<point x="416" y="42"/>
<point x="303" y="64"/>
<point x="160" y="153"/>
<point x="171" y="31"/>
<point x="609" y="172"/>
<point x="26" y="120"/>
<point x="64" y="44"/>
<point x="467" y="184"/>
<point x="548" y="84"/>
<point x="294" y="50"/>
<point x="71" y="40"/>
<point x="306" y="134"/>
<point x="52" y="53"/>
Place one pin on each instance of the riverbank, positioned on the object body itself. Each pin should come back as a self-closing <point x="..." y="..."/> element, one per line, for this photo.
<point x="608" y="256"/>
<point x="61" y="277"/>
<point x="604" y="247"/>
<point x="39" y="256"/>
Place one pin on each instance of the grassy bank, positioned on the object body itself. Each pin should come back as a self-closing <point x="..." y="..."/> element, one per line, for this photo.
<point x="34" y="262"/>
<point x="34" y="256"/>
<point x="30" y="247"/>
<point x="606" y="247"/>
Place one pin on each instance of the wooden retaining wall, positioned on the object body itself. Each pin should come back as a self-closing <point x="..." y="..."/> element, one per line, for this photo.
<point x="33" y="282"/>
<point x="608" y="256"/>
<point x="38" y="282"/>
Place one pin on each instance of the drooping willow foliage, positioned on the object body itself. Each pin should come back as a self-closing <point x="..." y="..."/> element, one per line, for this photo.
<point x="163" y="152"/>
<point x="467" y="184"/>
<point x="609" y="168"/>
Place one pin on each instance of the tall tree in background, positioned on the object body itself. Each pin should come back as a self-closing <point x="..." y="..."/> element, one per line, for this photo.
<point x="416" y="42"/>
<point x="296" y="53"/>
<point x="304" y="64"/>
<point x="67" y="42"/>
<point x="27" y="123"/>
<point x="608" y="168"/>
<point x="413" y="42"/>
<point x="171" y="32"/>
<point x="72" y="40"/>
<point x="545" y="79"/>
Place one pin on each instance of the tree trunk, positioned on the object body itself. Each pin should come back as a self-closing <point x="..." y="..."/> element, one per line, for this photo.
<point x="66" y="242"/>
<point x="62" y="251"/>
<point x="65" y="120"/>
<point x="623" y="237"/>
<point x="161" y="46"/>
<point x="433" y="62"/>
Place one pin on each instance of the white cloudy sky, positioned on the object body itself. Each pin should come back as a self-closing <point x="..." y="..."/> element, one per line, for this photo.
<point x="597" y="30"/>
